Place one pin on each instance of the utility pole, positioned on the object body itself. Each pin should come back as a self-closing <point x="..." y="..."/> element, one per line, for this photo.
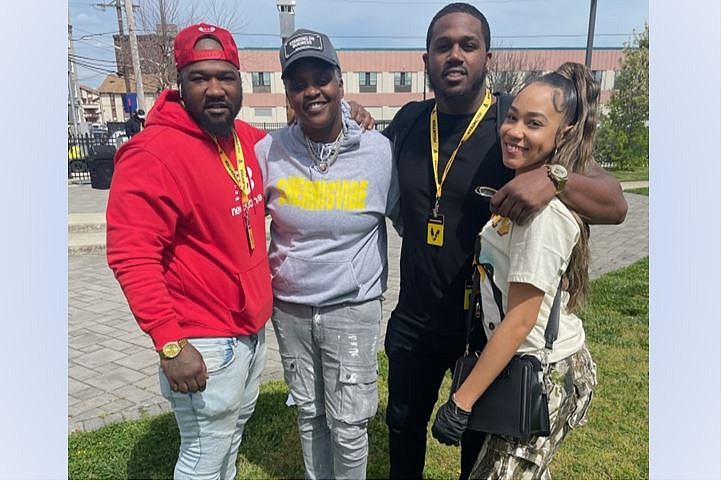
<point x="590" y="34"/>
<point x="134" y="55"/>
<point x="122" y="56"/>
<point x="76" y="117"/>
<point x="286" y="28"/>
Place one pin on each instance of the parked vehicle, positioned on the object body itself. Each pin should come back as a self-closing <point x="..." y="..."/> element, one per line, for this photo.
<point x="118" y="138"/>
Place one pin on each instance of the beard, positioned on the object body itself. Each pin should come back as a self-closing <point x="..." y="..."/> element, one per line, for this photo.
<point x="217" y="128"/>
<point x="441" y="91"/>
<point x="214" y="125"/>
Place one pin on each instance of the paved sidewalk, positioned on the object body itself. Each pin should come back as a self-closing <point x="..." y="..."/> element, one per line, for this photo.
<point x="113" y="370"/>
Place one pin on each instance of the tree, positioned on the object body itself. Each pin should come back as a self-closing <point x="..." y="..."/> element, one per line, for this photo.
<point x="159" y="21"/>
<point x="509" y="69"/>
<point x="623" y="134"/>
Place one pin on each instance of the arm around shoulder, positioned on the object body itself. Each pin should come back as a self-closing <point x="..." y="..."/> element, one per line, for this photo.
<point x="596" y="196"/>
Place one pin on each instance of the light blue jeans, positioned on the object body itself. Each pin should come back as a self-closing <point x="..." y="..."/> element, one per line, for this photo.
<point x="330" y="366"/>
<point x="212" y="422"/>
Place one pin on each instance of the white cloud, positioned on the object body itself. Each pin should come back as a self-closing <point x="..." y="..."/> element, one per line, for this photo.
<point x="86" y="19"/>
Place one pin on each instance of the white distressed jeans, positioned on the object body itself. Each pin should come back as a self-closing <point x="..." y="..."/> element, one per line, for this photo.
<point x="330" y="366"/>
<point x="212" y="422"/>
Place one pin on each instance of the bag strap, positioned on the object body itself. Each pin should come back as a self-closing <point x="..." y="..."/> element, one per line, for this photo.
<point x="553" y="321"/>
<point x="474" y="299"/>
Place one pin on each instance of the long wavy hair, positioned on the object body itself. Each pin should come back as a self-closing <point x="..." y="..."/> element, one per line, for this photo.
<point x="576" y="99"/>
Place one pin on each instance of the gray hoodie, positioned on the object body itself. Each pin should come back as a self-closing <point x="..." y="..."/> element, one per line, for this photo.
<point x="328" y="232"/>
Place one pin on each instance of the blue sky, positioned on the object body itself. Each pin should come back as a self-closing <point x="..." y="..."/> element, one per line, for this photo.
<point x="376" y="23"/>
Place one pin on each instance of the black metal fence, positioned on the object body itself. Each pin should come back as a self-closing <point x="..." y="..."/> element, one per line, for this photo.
<point x="81" y="147"/>
<point x="79" y="151"/>
<point x="268" y="126"/>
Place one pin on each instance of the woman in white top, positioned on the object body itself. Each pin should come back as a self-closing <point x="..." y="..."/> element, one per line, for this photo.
<point x="551" y="124"/>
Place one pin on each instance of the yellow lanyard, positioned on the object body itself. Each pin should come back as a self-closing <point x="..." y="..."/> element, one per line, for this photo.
<point x="238" y="172"/>
<point x="239" y="177"/>
<point x="434" y="140"/>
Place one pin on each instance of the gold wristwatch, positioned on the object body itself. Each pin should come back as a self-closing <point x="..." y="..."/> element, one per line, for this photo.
<point x="172" y="349"/>
<point x="558" y="175"/>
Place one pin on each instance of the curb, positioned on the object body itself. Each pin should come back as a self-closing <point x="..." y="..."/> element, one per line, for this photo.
<point x="86" y="243"/>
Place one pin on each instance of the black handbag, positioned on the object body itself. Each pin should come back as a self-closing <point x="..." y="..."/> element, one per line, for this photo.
<point x="515" y="404"/>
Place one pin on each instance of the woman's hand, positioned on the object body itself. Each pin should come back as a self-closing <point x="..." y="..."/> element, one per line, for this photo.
<point x="450" y="423"/>
<point x="523" y="307"/>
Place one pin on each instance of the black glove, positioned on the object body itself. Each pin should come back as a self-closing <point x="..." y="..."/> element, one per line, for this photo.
<point x="450" y="423"/>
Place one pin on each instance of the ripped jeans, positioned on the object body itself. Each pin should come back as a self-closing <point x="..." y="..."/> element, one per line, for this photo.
<point x="212" y="422"/>
<point x="330" y="366"/>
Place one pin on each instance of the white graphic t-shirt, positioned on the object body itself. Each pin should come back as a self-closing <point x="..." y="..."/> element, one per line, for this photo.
<point x="535" y="253"/>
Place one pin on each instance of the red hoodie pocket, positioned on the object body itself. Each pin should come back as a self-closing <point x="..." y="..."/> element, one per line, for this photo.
<point x="256" y="298"/>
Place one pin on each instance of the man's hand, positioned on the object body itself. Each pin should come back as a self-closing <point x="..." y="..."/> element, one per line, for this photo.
<point x="187" y="371"/>
<point x="524" y="195"/>
<point x="450" y="423"/>
<point x="361" y="116"/>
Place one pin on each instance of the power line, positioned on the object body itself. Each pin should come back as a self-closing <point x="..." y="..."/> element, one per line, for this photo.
<point x="90" y="59"/>
<point x="90" y="35"/>
<point x="95" y="68"/>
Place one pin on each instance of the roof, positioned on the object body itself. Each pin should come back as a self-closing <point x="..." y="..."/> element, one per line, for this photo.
<point x="89" y="89"/>
<point x="114" y="84"/>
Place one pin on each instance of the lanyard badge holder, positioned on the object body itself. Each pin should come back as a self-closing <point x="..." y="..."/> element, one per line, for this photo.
<point x="435" y="221"/>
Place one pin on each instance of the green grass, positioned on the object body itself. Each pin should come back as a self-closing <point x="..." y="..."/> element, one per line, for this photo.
<point x="613" y="445"/>
<point x="640" y="173"/>
<point x="640" y="191"/>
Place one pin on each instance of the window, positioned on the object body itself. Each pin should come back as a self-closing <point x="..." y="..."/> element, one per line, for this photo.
<point x="367" y="81"/>
<point x="261" y="81"/>
<point x="263" y="111"/>
<point x="402" y="81"/>
<point x="598" y="74"/>
<point x="113" y="113"/>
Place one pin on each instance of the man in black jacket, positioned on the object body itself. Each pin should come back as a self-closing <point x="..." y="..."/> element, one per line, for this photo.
<point x="135" y="123"/>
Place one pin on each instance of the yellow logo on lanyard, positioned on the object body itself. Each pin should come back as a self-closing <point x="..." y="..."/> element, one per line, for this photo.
<point x="240" y="178"/>
<point x="237" y="172"/>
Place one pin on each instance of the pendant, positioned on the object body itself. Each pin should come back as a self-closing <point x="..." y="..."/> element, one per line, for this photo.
<point x="323" y="166"/>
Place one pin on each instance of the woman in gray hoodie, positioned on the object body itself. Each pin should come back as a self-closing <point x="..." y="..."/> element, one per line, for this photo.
<point x="328" y="189"/>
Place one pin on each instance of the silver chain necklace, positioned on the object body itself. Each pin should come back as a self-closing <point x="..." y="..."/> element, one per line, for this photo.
<point x="324" y="155"/>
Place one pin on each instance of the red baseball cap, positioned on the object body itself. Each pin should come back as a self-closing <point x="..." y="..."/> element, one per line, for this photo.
<point x="184" y="53"/>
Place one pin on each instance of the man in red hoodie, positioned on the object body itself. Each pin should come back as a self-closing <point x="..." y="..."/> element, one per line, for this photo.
<point x="186" y="241"/>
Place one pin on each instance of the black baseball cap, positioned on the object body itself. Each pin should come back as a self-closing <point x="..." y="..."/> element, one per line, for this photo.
<point x="306" y="44"/>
